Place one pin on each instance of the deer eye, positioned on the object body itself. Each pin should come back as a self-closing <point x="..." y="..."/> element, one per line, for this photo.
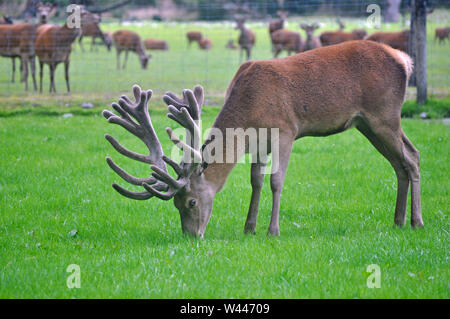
<point x="192" y="203"/>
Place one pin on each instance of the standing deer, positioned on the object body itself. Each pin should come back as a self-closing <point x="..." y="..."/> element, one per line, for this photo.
<point x="17" y="40"/>
<point x="330" y="38"/>
<point x="93" y="30"/>
<point x="246" y="39"/>
<point x="193" y="36"/>
<point x="54" y="45"/>
<point x="442" y="34"/>
<point x="278" y="24"/>
<point x="125" y="40"/>
<point x="286" y="40"/>
<point x="311" y="42"/>
<point x="316" y="93"/>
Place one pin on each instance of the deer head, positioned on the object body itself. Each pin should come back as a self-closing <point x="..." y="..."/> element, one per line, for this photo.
<point x="239" y="23"/>
<point x="191" y="192"/>
<point x="144" y="60"/>
<point x="309" y="28"/>
<point x="44" y="11"/>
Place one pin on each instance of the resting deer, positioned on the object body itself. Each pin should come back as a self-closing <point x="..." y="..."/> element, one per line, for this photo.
<point x="397" y="40"/>
<point x="311" y="42"/>
<point x="205" y="44"/>
<point x="125" y="40"/>
<point x="153" y="44"/>
<point x="316" y="93"/>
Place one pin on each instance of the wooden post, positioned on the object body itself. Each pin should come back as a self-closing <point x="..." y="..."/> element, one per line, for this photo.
<point x="412" y="42"/>
<point x="420" y="8"/>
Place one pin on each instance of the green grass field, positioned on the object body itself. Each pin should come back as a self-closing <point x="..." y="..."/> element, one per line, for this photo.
<point x="57" y="206"/>
<point x="336" y="218"/>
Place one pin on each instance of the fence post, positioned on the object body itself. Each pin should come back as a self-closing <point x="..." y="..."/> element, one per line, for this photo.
<point x="412" y="41"/>
<point x="420" y="49"/>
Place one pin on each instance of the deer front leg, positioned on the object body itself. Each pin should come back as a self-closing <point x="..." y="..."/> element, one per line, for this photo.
<point x="13" y="69"/>
<point x="33" y="71"/>
<point x="277" y="180"/>
<point x="118" y="59"/>
<point x="66" y="73"/>
<point x="126" y="59"/>
<point x="257" y="180"/>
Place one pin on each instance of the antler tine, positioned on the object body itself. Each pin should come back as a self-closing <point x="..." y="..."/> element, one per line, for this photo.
<point x="143" y="129"/>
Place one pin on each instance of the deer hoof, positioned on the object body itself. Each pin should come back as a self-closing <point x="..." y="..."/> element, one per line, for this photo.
<point x="273" y="232"/>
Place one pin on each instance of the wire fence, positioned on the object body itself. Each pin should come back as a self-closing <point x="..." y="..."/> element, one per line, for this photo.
<point x="178" y="64"/>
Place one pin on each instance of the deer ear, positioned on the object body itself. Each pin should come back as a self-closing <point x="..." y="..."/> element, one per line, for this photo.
<point x="303" y="26"/>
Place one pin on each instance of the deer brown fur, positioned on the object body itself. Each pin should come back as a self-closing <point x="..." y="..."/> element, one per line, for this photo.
<point x="397" y="40"/>
<point x="336" y="37"/>
<point x="321" y="92"/>
<point x="53" y="46"/>
<point x="93" y="31"/>
<point x="17" y="40"/>
<point x="125" y="40"/>
<point x="442" y="34"/>
<point x="153" y="44"/>
<point x="286" y="40"/>
<point x="194" y="36"/>
<point x="205" y="44"/>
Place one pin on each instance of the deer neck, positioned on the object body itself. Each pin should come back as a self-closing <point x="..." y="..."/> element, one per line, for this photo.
<point x="68" y="34"/>
<point x="140" y="50"/>
<point x="217" y="172"/>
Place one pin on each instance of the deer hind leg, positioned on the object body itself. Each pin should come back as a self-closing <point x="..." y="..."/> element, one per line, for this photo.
<point x="52" y="68"/>
<point x="41" y="74"/>
<point x="66" y="73"/>
<point x="404" y="158"/>
<point x="33" y="71"/>
<point x="257" y="180"/>
<point x="277" y="180"/>
<point x="126" y="59"/>
<point x="24" y="60"/>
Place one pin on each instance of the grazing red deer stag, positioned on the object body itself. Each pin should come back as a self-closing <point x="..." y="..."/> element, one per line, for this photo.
<point x="311" y="42"/>
<point x="442" y="34"/>
<point x="286" y="40"/>
<point x="397" y="40"/>
<point x="53" y="46"/>
<point x="193" y="36"/>
<point x="17" y="40"/>
<point x="246" y="39"/>
<point x="316" y="93"/>
<point x="125" y="40"/>
<point x="205" y="44"/>
<point x="153" y="44"/>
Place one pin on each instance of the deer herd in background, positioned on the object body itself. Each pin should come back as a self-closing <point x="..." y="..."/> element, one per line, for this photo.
<point x="52" y="44"/>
